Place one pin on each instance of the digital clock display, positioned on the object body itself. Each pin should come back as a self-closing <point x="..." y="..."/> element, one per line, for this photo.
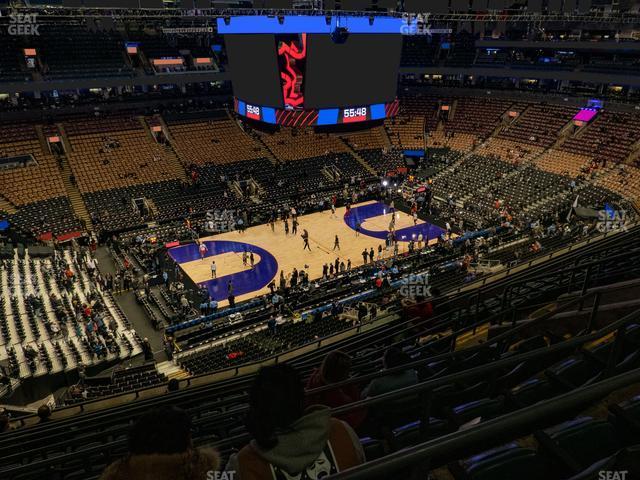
<point x="253" y="112"/>
<point x="358" y="114"/>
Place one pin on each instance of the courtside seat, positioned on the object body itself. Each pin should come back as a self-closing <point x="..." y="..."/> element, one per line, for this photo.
<point x="505" y="462"/>
<point x="577" y="444"/>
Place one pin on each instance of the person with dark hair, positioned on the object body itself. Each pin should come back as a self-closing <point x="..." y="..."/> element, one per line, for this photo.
<point x="173" y="385"/>
<point x="5" y="424"/>
<point x="393" y="357"/>
<point x="335" y="368"/>
<point x="160" y="448"/>
<point x="289" y="440"/>
<point x="44" y="413"/>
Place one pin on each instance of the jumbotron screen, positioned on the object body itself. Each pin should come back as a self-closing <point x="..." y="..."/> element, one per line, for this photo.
<point x="361" y="71"/>
<point x="254" y="69"/>
<point x="280" y="77"/>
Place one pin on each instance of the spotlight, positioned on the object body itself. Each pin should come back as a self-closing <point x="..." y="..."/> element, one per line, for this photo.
<point x="385" y="183"/>
<point x="340" y="35"/>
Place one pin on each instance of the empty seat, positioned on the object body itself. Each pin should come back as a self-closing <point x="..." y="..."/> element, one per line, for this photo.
<point x="505" y="462"/>
<point x="576" y="444"/>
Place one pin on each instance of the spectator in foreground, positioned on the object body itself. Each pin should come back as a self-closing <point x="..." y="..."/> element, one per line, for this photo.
<point x="173" y="385"/>
<point x="289" y="440"/>
<point x="160" y="448"/>
<point x="335" y="368"/>
<point x="44" y="412"/>
<point x="5" y="424"/>
<point x="393" y="357"/>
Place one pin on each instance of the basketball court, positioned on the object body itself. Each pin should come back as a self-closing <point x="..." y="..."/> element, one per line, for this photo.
<point x="275" y="252"/>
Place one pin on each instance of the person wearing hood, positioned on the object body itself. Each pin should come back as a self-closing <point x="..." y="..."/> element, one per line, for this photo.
<point x="160" y="448"/>
<point x="289" y="440"/>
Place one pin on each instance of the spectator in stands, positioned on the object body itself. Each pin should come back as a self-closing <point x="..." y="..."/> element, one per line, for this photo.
<point x="335" y="368"/>
<point x="289" y="440"/>
<point x="418" y="309"/>
<point x="173" y="385"/>
<point x="5" y="425"/>
<point x="160" y="447"/>
<point x="146" y="349"/>
<point x="393" y="357"/>
<point x="44" y="413"/>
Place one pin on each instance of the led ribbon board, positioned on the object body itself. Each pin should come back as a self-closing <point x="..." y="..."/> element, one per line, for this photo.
<point x="316" y="117"/>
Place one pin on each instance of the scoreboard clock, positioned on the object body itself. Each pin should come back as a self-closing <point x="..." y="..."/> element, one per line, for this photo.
<point x="351" y="115"/>
<point x="323" y="116"/>
<point x="253" y="112"/>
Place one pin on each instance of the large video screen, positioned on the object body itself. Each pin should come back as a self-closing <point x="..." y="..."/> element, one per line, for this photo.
<point x="361" y="71"/>
<point x="253" y="63"/>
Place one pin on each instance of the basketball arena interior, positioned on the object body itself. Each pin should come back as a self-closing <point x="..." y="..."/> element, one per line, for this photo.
<point x="339" y="239"/>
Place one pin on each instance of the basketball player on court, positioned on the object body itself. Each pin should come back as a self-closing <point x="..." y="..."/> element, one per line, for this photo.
<point x="336" y="243"/>
<point x="203" y="251"/>
<point x="305" y="237"/>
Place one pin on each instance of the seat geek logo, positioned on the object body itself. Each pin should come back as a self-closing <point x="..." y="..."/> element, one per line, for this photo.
<point x="613" y="475"/>
<point x="610" y="219"/>
<point x="418" y="24"/>
<point x="23" y="24"/>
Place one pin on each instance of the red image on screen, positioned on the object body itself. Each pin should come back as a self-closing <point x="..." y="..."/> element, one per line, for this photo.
<point x="292" y="55"/>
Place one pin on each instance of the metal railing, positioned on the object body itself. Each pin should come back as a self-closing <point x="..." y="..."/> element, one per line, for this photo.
<point x="424" y="390"/>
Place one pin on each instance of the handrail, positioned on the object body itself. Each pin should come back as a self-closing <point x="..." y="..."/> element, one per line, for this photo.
<point x="486" y="431"/>
<point x="420" y="388"/>
<point x="451" y="355"/>
<point x="449" y="298"/>
<point x="236" y="369"/>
